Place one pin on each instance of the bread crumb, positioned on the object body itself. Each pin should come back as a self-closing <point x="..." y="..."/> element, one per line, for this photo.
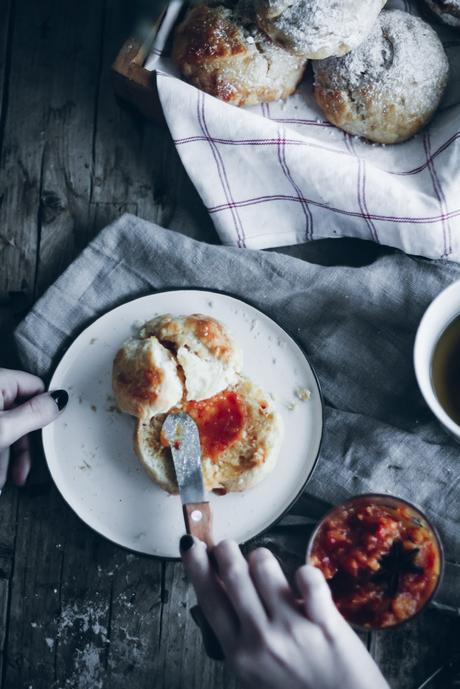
<point x="290" y="406"/>
<point x="303" y="394"/>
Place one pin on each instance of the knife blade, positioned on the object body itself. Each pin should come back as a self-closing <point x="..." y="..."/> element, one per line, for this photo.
<point x="181" y="434"/>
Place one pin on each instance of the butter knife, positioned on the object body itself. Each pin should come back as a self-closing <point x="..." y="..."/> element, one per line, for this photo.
<point x="181" y="434"/>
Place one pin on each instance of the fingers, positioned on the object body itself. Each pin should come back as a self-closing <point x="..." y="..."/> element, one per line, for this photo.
<point x="270" y="582"/>
<point x="234" y="574"/>
<point x="210" y="641"/>
<point x="317" y="600"/>
<point x="211" y="597"/>
<point x="21" y="461"/>
<point x="37" y="412"/>
<point x="14" y="384"/>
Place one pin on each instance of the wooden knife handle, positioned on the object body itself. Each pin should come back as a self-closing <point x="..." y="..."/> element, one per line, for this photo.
<point x="198" y="521"/>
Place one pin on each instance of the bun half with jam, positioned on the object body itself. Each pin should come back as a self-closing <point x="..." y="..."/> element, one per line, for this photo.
<point x="240" y="436"/>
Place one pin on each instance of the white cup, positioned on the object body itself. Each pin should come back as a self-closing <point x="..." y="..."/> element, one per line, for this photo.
<point x="440" y="313"/>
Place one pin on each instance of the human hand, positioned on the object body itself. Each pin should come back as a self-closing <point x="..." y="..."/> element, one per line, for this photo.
<point x="24" y="407"/>
<point x="271" y="639"/>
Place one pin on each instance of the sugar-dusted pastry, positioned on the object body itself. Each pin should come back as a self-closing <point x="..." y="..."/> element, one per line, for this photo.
<point x="223" y="53"/>
<point x="389" y="87"/>
<point x="317" y="29"/>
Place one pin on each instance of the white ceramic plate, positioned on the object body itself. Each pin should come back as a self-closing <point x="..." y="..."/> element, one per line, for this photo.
<point x="89" y="447"/>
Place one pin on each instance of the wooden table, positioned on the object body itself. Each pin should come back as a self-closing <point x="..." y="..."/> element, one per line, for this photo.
<point x="75" y="610"/>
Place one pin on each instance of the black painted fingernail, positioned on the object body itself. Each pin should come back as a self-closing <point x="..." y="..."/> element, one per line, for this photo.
<point x="196" y="615"/>
<point x="185" y="543"/>
<point x="61" y="397"/>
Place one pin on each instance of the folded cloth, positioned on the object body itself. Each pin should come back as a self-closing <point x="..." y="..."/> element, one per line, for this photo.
<point x="279" y="174"/>
<point x="357" y="326"/>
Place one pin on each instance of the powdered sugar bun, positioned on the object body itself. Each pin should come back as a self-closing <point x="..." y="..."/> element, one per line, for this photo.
<point x="448" y="11"/>
<point x="318" y="29"/>
<point x="224" y="54"/>
<point x="389" y="87"/>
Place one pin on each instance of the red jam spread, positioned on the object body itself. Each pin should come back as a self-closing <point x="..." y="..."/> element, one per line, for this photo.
<point x="220" y="420"/>
<point x="382" y="563"/>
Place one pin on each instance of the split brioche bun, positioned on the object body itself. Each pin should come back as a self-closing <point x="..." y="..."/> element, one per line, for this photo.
<point x="145" y="379"/>
<point x="205" y="351"/>
<point x="240" y="435"/>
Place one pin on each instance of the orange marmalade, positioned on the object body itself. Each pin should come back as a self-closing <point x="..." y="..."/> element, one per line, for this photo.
<point x="381" y="559"/>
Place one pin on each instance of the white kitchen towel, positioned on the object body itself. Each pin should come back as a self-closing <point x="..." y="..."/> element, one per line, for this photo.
<point x="279" y="174"/>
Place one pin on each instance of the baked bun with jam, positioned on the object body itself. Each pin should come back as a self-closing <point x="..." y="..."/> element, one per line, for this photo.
<point x="388" y="88"/>
<point x="222" y="52"/>
<point x="192" y="364"/>
<point x="240" y="435"/>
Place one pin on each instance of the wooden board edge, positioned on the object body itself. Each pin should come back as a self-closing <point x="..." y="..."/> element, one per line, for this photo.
<point x="135" y="84"/>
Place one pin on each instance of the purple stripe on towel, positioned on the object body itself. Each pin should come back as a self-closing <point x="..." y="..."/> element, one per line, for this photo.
<point x="287" y="173"/>
<point x="220" y="169"/>
<point x="422" y="220"/>
<point x="439" y="194"/>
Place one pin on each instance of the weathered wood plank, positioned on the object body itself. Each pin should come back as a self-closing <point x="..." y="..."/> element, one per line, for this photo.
<point x="9" y="313"/>
<point x="34" y="597"/>
<point x="4" y="601"/>
<point x="119" y="176"/>
<point x="409" y="654"/>
<point x="135" y="161"/>
<point x="22" y="151"/>
<point x="74" y="36"/>
<point x="6" y="30"/>
<point x="8" y="512"/>
<point x="102" y="214"/>
<point x="136" y="618"/>
<point x="182" y="663"/>
<point x="82" y="640"/>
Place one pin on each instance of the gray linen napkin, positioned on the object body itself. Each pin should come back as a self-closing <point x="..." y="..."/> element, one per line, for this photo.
<point x="357" y="326"/>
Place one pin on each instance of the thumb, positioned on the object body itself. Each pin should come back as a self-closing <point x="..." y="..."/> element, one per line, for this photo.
<point x="37" y="412"/>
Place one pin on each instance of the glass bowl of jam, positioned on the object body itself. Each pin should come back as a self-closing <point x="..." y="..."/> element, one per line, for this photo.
<point x="381" y="557"/>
